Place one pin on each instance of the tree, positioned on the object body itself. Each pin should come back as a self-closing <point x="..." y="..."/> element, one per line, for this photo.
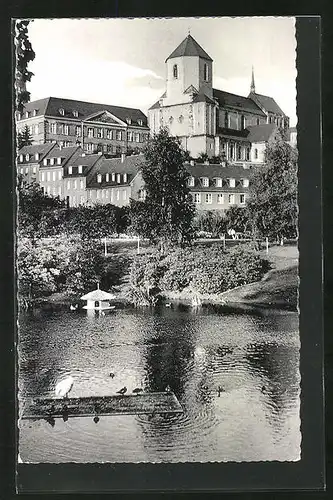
<point x="39" y="215"/>
<point x="24" y="138"/>
<point x="98" y="221"/>
<point x="168" y="211"/>
<point x="237" y="218"/>
<point x="24" y="55"/>
<point x="273" y="193"/>
<point x="202" y="157"/>
<point x="211" y="221"/>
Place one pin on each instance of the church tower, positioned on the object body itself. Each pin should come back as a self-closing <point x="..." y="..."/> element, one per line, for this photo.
<point x="188" y="71"/>
<point x="252" y="87"/>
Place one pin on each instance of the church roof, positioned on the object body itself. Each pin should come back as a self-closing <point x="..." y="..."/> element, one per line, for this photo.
<point x="261" y="133"/>
<point x="267" y="103"/>
<point x="236" y="101"/>
<point x="189" y="47"/>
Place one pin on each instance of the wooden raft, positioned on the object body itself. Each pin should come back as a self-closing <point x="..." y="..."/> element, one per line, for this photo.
<point x="145" y="403"/>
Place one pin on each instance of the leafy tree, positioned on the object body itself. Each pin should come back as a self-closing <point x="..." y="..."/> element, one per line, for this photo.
<point x="237" y="218"/>
<point x="98" y="221"/>
<point x="211" y="221"/>
<point x="168" y="209"/>
<point x="273" y="193"/>
<point x="24" y="54"/>
<point x="24" y="138"/>
<point x="39" y="215"/>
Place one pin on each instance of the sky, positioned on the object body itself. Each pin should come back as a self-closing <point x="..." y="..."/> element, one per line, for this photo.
<point x="122" y="61"/>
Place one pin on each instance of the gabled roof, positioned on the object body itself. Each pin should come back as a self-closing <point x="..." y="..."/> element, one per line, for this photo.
<point x="236" y="101"/>
<point x="261" y="133"/>
<point x="267" y="103"/>
<point x="65" y="153"/>
<point x="203" y="98"/>
<point x="42" y="149"/>
<point x="98" y="295"/>
<point x="50" y="106"/>
<point x="87" y="161"/>
<point x="130" y="166"/>
<point x="213" y="171"/>
<point x="189" y="47"/>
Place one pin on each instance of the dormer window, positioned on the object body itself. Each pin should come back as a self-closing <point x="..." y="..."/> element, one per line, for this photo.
<point x="191" y="182"/>
<point x="75" y="113"/>
<point x="107" y="177"/>
<point x="205" y="181"/>
<point x="125" y="177"/>
<point x="37" y="156"/>
<point x="52" y="161"/>
<point x="80" y="169"/>
<point x="206" y="73"/>
<point x="70" y="170"/>
<point x="245" y="183"/>
<point x="19" y="116"/>
<point x="27" y="157"/>
<point x="99" y="178"/>
<point x="232" y="182"/>
<point x="59" y="161"/>
<point x="27" y="114"/>
<point x="45" y="162"/>
<point x="175" y="71"/>
<point x="118" y="178"/>
<point x="140" y="122"/>
<point x="129" y="121"/>
<point x="113" y="177"/>
<point x="21" y="158"/>
<point x="242" y="122"/>
<point x="34" y="112"/>
<point x="61" y="111"/>
<point x="218" y="182"/>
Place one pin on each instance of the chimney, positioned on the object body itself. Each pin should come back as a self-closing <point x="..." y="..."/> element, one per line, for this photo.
<point x="192" y="163"/>
<point x="123" y="157"/>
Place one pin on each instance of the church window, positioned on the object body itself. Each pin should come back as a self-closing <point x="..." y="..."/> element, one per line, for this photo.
<point x="206" y="73"/>
<point x="175" y="71"/>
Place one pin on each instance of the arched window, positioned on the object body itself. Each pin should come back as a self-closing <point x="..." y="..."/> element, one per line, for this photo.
<point x="206" y="72"/>
<point x="175" y="71"/>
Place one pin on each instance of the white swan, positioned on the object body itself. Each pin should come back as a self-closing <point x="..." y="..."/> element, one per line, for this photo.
<point x="63" y="387"/>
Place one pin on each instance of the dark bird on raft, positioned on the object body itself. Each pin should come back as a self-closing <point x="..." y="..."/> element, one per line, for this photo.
<point x="122" y="391"/>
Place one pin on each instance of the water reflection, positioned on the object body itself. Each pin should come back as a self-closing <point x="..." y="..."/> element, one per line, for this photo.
<point x="236" y="376"/>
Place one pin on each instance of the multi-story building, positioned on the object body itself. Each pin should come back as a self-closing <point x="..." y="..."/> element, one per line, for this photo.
<point x="209" y="120"/>
<point x="75" y="175"/>
<point x="28" y="161"/>
<point x="95" y="127"/>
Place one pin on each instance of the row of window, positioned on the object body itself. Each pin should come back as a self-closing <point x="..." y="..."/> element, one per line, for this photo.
<point x="26" y="170"/>
<point x="52" y="161"/>
<point x="48" y="176"/>
<point x="73" y="184"/>
<point x="113" y="178"/>
<point x="108" y="194"/>
<point x="27" y="114"/>
<point x="233" y="152"/>
<point x="28" y="157"/>
<point x="220" y="198"/>
<point x="97" y="133"/>
<point x="218" y="182"/>
<point x="175" y="72"/>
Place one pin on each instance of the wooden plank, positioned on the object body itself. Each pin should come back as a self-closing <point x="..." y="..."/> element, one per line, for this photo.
<point x="144" y="403"/>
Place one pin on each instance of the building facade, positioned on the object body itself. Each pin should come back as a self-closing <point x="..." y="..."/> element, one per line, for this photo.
<point x="205" y="119"/>
<point x="95" y="127"/>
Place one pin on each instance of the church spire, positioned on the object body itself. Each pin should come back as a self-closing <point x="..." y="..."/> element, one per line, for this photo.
<point x="253" y="87"/>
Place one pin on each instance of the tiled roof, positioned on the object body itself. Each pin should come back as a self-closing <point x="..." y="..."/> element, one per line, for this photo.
<point x="42" y="149"/>
<point x="203" y="98"/>
<point x="267" y="103"/>
<point x="130" y="166"/>
<point x="50" y="106"/>
<point x="261" y="133"/>
<point x="87" y="162"/>
<point x="236" y="101"/>
<point x="213" y="171"/>
<point x="233" y="133"/>
<point x="189" y="47"/>
<point x="64" y="153"/>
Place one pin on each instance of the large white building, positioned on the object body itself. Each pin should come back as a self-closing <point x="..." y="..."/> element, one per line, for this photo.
<point x="209" y="120"/>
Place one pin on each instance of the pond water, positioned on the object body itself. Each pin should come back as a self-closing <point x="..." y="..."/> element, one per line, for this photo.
<point x="253" y="356"/>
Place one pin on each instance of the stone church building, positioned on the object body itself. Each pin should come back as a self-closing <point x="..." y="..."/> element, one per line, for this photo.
<point x="209" y="120"/>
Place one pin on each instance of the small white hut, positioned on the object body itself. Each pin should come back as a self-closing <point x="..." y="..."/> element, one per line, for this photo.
<point x="98" y="300"/>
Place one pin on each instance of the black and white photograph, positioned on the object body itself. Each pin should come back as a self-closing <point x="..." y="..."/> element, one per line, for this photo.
<point x="157" y="240"/>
